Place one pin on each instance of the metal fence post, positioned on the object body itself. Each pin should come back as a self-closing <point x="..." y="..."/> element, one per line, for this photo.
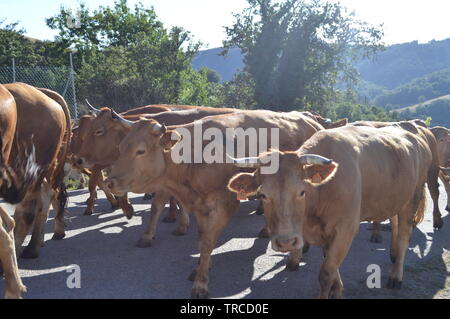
<point x="13" y="70"/>
<point x="73" y="86"/>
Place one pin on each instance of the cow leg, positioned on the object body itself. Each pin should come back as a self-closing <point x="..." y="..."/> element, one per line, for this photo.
<point x="212" y="226"/>
<point x="81" y="181"/>
<point x="329" y="278"/>
<point x="447" y="189"/>
<point x="127" y="208"/>
<point x="376" y="233"/>
<point x="59" y="231"/>
<point x="394" y="237"/>
<point x="13" y="284"/>
<point x="172" y="215"/>
<point x="113" y="201"/>
<point x="183" y="225"/>
<point x="24" y="218"/>
<point x="42" y="210"/>
<point x="260" y="208"/>
<point x="158" y="204"/>
<point x="433" y="187"/>
<point x="265" y="232"/>
<point x="92" y="186"/>
<point x="405" y="227"/>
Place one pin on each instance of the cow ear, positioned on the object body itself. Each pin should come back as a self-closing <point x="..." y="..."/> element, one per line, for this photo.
<point x="169" y="139"/>
<point x="319" y="174"/>
<point x="244" y="185"/>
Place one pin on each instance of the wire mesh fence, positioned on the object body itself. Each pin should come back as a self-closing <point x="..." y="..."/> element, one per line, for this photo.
<point x="59" y="79"/>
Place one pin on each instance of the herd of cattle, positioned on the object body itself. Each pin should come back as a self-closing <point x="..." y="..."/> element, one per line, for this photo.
<point x="331" y="176"/>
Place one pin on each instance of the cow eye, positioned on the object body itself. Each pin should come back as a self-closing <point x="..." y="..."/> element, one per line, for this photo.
<point x="99" y="132"/>
<point x="302" y="193"/>
<point x="140" y="152"/>
<point x="262" y="196"/>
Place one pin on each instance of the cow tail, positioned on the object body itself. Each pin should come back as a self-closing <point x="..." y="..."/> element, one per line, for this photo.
<point x="58" y="174"/>
<point x="420" y="212"/>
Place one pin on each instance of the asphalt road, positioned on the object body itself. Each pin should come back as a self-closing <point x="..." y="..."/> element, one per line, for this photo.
<point x="103" y="245"/>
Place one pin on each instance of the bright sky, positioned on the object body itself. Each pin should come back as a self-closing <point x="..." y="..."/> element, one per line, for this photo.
<point x="404" y="20"/>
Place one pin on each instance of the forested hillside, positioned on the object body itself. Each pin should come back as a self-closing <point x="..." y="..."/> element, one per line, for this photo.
<point x="402" y="63"/>
<point x="225" y="66"/>
<point x="400" y="76"/>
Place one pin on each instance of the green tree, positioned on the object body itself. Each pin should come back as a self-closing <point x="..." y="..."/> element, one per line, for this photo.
<point x="126" y="57"/>
<point x="13" y="44"/>
<point x="297" y="50"/>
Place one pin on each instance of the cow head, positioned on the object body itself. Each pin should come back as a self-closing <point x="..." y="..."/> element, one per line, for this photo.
<point x="285" y="194"/>
<point x="443" y="144"/>
<point x="99" y="137"/>
<point x="142" y="157"/>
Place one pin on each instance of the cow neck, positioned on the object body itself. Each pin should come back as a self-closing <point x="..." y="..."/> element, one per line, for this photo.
<point x="175" y="180"/>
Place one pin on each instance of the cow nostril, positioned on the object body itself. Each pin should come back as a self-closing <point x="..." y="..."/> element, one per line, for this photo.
<point x="79" y="161"/>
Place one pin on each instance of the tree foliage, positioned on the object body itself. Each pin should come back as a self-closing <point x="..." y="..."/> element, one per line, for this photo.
<point x="297" y="50"/>
<point x="126" y="57"/>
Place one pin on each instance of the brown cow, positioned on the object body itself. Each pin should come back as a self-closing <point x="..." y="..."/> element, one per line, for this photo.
<point x="43" y="122"/>
<point x="95" y="176"/>
<point x="443" y="145"/>
<point x="8" y="261"/>
<point x="100" y="140"/>
<point x="337" y="179"/>
<point x="417" y="127"/>
<point x="158" y="108"/>
<point x="145" y="164"/>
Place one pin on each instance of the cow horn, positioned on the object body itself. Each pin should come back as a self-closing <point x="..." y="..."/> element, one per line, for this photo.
<point x="125" y="122"/>
<point x="314" y="159"/>
<point x="245" y="162"/>
<point x="159" y="128"/>
<point x="91" y="108"/>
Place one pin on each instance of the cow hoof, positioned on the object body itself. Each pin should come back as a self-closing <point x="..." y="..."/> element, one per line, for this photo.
<point x="393" y="258"/>
<point x="394" y="283"/>
<point x="259" y="211"/>
<point x="87" y="212"/>
<point x="292" y="266"/>
<point x="199" y="293"/>
<point x="438" y="224"/>
<point x="29" y="253"/>
<point x="306" y="247"/>
<point x="144" y="243"/>
<point x="264" y="233"/>
<point x="129" y="212"/>
<point x="376" y="238"/>
<point x="178" y="232"/>
<point x="1" y="270"/>
<point x="58" y="236"/>
<point x="147" y="196"/>
<point x="169" y="220"/>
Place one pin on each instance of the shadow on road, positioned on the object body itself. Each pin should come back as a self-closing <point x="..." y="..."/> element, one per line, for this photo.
<point x="103" y="245"/>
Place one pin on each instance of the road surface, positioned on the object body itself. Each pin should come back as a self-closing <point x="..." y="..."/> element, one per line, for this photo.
<point x="103" y="246"/>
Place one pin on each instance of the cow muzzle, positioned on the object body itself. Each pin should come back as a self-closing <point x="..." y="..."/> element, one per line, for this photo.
<point x="287" y="244"/>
